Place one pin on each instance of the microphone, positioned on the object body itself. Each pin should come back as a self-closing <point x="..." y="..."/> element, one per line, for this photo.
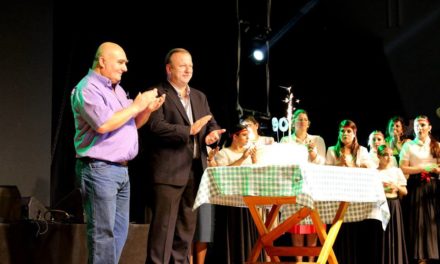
<point x="438" y="112"/>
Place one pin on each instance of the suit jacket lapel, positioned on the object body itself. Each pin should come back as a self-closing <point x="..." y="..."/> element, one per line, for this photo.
<point x="197" y="113"/>
<point x="195" y="107"/>
<point x="173" y="97"/>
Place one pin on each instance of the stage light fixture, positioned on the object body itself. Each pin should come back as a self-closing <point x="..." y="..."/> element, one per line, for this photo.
<point x="258" y="55"/>
<point x="260" y="52"/>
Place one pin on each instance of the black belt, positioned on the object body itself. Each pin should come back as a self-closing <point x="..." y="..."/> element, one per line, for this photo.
<point x="91" y="160"/>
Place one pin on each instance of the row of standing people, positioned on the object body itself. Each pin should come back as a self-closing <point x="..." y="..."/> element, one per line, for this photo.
<point x="418" y="161"/>
<point x="383" y="155"/>
<point x="180" y="125"/>
<point x="399" y="160"/>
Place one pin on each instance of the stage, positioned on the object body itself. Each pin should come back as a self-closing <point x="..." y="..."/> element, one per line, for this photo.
<point x="42" y="242"/>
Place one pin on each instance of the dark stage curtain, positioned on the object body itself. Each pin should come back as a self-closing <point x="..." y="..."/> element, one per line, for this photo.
<point x="359" y="242"/>
<point x="235" y="234"/>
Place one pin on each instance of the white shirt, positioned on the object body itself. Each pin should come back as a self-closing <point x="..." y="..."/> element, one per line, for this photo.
<point x="226" y="156"/>
<point x="393" y="175"/>
<point x="375" y="159"/>
<point x="362" y="157"/>
<point x="418" y="153"/>
<point x="316" y="140"/>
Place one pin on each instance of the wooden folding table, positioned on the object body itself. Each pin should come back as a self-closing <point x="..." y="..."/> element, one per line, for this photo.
<point x="312" y="194"/>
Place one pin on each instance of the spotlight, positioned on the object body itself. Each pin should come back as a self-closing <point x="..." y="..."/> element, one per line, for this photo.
<point x="259" y="54"/>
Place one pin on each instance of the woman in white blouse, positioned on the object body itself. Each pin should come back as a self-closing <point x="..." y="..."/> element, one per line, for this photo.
<point x="347" y="152"/>
<point x="239" y="227"/>
<point x="305" y="233"/>
<point x="419" y="158"/>
<point x="236" y="151"/>
<point x="314" y="144"/>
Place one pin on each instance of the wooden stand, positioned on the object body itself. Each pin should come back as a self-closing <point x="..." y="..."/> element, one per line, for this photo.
<point x="267" y="235"/>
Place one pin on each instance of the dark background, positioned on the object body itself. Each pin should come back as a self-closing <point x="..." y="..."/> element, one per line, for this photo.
<point x="362" y="60"/>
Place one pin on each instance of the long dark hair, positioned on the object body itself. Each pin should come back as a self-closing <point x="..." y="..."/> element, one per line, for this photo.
<point x="389" y="138"/>
<point x="234" y="131"/>
<point x="391" y="123"/>
<point x="354" y="146"/>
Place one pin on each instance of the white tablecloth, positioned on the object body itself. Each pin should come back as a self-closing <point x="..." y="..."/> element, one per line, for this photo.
<point x="315" y="186"/>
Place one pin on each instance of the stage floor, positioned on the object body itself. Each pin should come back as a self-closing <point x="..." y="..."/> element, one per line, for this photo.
<point x="40" y="242"/>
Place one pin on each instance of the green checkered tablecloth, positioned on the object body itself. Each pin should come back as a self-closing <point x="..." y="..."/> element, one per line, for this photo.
<point x="315" y="186"/>
<point x="328" y="185"/>
<point x="227" y="185"/>
<point x="274" y="180"/>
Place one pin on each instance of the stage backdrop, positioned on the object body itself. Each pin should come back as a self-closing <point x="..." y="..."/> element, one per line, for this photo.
<point x="26" y="96"/>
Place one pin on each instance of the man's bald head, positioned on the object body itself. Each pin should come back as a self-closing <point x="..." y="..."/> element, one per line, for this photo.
<point x="104" y="50"/>
<point x="110" y="61"/>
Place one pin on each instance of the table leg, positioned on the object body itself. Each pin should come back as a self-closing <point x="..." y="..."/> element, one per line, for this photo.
<point x="327" y="240"/>
<point x="266" y="234"/>
<point x="263" y="228"/>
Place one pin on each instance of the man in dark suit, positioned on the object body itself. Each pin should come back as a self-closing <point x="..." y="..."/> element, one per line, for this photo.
<point x="178" y="134"/>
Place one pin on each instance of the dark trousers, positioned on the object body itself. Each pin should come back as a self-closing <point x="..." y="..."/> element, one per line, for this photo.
<point x="173" y="222"/>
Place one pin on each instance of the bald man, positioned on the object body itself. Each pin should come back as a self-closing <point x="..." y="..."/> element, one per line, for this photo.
<point x="106" y="138"/>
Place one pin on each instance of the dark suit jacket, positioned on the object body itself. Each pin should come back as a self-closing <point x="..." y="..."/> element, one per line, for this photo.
<point x="170" y="148"/>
